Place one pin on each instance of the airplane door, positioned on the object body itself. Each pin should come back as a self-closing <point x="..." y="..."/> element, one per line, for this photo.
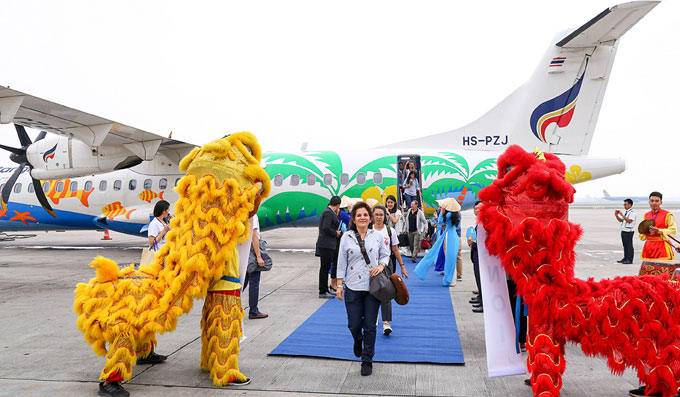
<point x="403" y="172"/>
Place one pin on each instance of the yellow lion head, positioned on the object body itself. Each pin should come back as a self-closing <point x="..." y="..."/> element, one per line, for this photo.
<point x="236" y="156"/>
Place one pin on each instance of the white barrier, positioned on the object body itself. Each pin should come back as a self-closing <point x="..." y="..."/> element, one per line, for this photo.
<point x="499" y="327"/>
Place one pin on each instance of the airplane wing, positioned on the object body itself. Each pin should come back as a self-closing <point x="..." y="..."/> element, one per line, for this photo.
<point x="37" y="113"/>
<point x="609" y="25"/>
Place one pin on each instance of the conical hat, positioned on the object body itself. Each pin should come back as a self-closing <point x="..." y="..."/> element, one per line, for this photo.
<point x="347" y="202"/>
<point x="372" y="202"/>
<point x="450" y="204"/>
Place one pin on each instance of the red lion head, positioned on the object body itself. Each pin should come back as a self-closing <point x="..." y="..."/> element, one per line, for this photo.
<point x="525" y="213"/>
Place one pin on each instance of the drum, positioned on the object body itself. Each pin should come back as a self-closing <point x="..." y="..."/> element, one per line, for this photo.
<point x="657" y="267"/>
<point x="676" y="275"/>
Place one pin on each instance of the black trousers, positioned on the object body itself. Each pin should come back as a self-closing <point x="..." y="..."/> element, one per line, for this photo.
<point x="627" y="240"/>
<point x="386" y="307"/>
<point x="327" y="256"/>
<point x="474" y="257"/>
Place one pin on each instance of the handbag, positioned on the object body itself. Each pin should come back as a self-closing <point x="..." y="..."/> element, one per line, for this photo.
<point x="148" y="256"/>
<point x="252" y="259"/>
<point x="380" y="286"/>
<point x="403" y="239"/>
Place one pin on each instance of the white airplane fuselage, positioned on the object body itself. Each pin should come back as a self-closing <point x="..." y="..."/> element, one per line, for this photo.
<point x="302" y="184"/>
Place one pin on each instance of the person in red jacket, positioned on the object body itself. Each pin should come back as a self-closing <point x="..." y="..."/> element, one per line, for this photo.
<point x="656" y="245"/>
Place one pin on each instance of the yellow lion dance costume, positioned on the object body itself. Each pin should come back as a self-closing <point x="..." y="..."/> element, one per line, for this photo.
<point x="125" y="308"/>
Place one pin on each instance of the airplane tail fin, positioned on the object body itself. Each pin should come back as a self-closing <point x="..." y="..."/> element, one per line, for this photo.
<point x="606" y="194"/>
<point x="557" y="109"/>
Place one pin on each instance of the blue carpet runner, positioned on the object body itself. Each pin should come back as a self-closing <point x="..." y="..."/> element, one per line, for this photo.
<point x="424" y="330"/>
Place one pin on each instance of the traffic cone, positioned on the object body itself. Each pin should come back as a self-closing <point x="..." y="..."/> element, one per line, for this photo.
<point x="106" y="235"/>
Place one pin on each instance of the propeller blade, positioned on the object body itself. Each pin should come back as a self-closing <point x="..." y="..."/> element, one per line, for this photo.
<point x="13" y="150"/>
<point x="9" y="185"/>
<point x="41" y="136"/>
<point x="41" y="197"/>
<point x="23" y="136"/>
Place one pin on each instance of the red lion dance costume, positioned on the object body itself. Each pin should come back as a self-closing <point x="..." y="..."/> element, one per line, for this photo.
<point x="631" y="321"/>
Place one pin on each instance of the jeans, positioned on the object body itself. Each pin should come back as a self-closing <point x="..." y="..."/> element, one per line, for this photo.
<point x="408" y="199"/>
<point x="627" y="240"/>
<point x="254" y="291"/>
<point x="362" y="313"/>
<point x="327" y="256"/>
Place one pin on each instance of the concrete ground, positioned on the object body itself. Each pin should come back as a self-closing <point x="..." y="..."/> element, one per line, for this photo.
<point x="42" y="352"/>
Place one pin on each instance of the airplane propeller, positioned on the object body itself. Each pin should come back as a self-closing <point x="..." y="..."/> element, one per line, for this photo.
<point x="19" y="156"/>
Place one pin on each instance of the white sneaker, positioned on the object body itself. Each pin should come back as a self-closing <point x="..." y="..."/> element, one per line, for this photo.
<point x="386" y="328"/>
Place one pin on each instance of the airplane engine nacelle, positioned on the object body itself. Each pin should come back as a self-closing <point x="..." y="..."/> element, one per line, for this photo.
<point x="61" y="157"/>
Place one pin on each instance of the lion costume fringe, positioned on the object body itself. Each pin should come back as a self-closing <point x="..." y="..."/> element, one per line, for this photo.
<point x="125" y="308"/>
<point x="633" y="322"/>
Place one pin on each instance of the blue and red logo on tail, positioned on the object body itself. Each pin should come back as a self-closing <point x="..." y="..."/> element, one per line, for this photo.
<point x="50" y="153"/>
<point x="557" y="110"/>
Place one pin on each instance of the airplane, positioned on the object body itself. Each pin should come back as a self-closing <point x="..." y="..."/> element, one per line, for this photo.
<point x="87" y="172"/>
<point x="667" y="200"/>
<point x="636" y="199"/>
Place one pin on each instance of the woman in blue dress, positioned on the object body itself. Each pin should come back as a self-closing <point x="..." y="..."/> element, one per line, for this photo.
<point x="449" y="221"/>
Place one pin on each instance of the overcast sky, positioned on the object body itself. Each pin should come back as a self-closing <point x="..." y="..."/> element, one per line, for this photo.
<point x="337" y="74"/>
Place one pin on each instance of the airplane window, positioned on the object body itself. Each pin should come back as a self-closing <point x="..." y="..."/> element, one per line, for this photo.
<point x="60" y="187"/>
<point x="147" y="184"/>
<point x="295" y="180"/>
<point x="163" y="184"/>
<point x="361" y="178"/>
<point x="17" y="188"/>
<point x="377" y="178"/>
<point x="88" y="186"/>
<point x="31" y="189"/>
<point x="311" y="178"/>
<point x="278" y="180"/>
<point x="102" y="186"/>
<point x="117" y="184"/>
<point x="344" y="179"/>
<point x="327" y="179"/>
<point x="73" y="186"/>
<point x="133" y="184"/>
<point x="177" y="181"/>
<point x="46" y="187"/>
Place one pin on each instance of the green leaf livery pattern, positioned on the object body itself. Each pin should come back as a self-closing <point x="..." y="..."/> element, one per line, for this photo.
<point x="443" y="175"/>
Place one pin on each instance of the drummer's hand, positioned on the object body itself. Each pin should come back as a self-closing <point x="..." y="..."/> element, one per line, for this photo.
<point x="677" y="249"/>
<point x="339" y="292"/>
<point x="376" y="270"/>
<point x="653" y="229"/>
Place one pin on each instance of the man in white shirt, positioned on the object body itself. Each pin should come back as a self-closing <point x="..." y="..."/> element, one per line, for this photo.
<point x="627" y="220"/>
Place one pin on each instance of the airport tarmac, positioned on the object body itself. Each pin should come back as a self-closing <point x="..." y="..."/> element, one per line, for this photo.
<point x="42" y="352"/>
